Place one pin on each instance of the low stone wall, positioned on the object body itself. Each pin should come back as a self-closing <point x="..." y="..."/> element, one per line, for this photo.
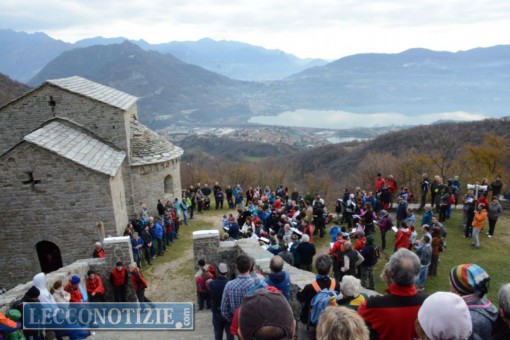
<point x="207" y="245"/>
<point x="115" y="248"/>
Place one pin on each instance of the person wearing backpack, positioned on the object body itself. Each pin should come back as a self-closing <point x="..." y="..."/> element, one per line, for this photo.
<point x="306" y="327"/>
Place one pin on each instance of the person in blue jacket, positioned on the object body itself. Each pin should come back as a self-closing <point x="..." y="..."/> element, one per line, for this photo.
<point x="279" y="278"/>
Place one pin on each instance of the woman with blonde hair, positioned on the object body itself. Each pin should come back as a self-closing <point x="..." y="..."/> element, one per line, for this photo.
<point x="339" y="323"/>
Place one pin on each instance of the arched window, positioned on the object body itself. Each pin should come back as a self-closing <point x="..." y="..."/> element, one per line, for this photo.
<point x="49" y="256"/>
<point x="169" y="185"/>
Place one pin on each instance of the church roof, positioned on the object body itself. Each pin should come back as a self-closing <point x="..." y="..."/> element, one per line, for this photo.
<point x="78" y="147"/>
<point x="95" y="91"/>
<point x="148" y="147"/>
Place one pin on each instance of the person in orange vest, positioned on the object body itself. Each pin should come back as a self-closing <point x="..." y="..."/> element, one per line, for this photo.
<point x="95" y="287"/>
<point x="119" y="281"/>
<point x="73" y="288"/>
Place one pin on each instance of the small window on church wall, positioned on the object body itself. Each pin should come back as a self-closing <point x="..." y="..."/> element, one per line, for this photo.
<point x="169" y="185"/>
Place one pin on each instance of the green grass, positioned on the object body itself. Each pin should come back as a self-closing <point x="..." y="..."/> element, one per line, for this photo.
<point x="180" y="246"/>
<point x="492" y="255"/>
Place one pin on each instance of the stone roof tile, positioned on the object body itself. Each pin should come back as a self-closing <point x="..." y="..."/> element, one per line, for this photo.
<point x="88" y="151"/>
<point x="96" y="91"/>
<point x="148" y="147"/>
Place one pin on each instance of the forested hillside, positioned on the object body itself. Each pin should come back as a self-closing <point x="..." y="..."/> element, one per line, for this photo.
<point x="471" y="150"/>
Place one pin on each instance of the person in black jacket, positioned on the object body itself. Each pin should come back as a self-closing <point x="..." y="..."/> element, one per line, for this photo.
<point x="306" y="252"/>
<point x="216" y="288"/>
<point x="305" y="296"/>
<point x="147" y="244"/>
<point x="369" y="253"/>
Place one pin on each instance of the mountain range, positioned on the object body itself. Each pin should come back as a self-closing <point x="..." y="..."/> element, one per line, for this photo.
<point x="23" y="55"/>
<point x="413" y="82"/>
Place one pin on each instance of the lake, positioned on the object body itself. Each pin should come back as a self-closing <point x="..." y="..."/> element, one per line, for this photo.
<point x="347" y="120"/>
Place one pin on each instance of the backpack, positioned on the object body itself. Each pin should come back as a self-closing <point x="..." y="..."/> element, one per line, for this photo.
<point x="452" y="199"/>
<point x="323" y="299"/>
<point x="442" y="246"/>
<point x="377" y="254"/>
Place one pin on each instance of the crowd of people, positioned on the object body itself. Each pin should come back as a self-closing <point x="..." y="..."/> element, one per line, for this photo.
<point x="285" y="224"/>
<point x="247" y="305"/>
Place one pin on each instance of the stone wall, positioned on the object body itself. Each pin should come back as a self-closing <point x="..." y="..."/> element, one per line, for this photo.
<point x="116" y="249"/>
<point x="207" y="245"/>
<point x="63" y="208"/>
<point x="149" y="183"/>
<point x="29" y="112"/>
<point x="118" y="200"/>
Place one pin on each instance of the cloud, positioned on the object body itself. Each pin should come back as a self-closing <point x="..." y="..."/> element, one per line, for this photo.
<point x="320" y="28"/>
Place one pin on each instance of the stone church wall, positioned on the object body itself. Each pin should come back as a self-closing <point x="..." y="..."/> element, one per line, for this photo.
<point x="115" y="248"/>
<point x="149" y="183"/>
<point x="61" y="202"/>
<point x="27" y="114"/>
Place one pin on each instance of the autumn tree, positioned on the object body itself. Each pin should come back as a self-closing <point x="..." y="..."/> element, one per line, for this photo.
<point x="488" y="159"/>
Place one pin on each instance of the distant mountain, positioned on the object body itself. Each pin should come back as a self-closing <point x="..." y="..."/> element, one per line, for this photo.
<point x="169" y="89"/>
<point x="414" y="81"/>
<point x="10" y="89"/>
<point x="24" y="55"/>
<point x="238" y="60"/>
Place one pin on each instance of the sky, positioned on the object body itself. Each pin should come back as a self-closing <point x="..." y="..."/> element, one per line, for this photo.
<point x="328" y="29"/>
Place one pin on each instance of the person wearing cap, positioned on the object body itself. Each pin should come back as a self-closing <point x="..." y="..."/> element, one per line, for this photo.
<point x="471" y="282"/>
<point x="216" y="288"/>
<point x="367" y="267"/>
<point x="98" y="251"/>
<point x="393" y="316"/>
<point x="119" y="281"/>
<point x="73" y="288"/>
<point x="323" y="264"/>
<point x="95" y="287"/>
<point x="444" y="316"/>
<point x="266" y="315"/>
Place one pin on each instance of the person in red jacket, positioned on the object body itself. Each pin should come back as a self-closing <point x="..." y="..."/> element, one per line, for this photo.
<point x="73" y="288"/>
<point x="95" y="287"/>
<point x="337" y="253"/>
<point x="98" y="251"/>
<point x="403" y="236"/>
<point x="139" y="282"/>
<point x="393" y="316"/>
<point x="119" y="281"/>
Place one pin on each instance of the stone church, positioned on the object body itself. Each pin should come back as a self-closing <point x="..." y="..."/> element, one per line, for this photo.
<point x="73" y="154"/>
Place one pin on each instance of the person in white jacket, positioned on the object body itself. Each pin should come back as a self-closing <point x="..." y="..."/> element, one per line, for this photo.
<point x="40" y="283"/>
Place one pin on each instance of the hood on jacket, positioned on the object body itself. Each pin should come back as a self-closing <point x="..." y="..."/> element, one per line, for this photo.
<point x="277" y="278"/>
<point x="40" y="283"/>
